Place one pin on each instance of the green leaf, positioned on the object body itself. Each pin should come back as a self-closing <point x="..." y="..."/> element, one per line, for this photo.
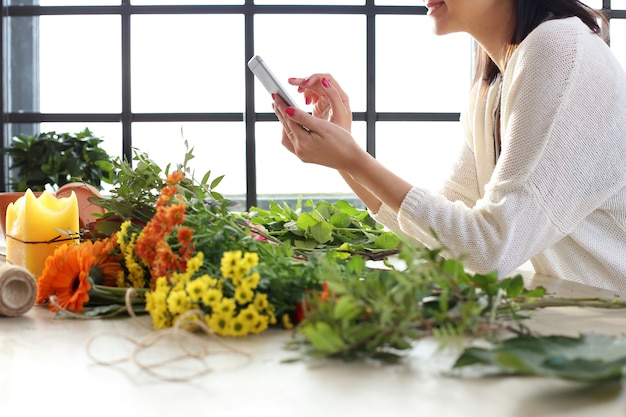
<point x="346" y="308"/>
<point x="587" y="358"/>
<point x="323" y="337"/>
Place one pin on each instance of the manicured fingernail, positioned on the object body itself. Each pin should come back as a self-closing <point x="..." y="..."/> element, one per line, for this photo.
<point x="290" y="111"/>
<point x="325" y="83"/>
<point x="307" y="100"/>
<point x="306" y="81"/>
<point x="273" y="96"/>
<point x="300" y="89"/>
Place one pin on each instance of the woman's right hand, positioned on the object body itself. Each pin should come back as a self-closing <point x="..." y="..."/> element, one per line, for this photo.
<point x="332" y="105"/>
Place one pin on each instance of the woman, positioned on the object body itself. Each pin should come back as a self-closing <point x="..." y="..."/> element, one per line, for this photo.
<point x="542" y="175"/>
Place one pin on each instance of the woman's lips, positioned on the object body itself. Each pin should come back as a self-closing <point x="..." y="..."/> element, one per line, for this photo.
<point x="433" y="6"/>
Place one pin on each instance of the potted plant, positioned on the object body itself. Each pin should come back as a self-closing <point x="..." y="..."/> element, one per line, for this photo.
<point x="57" y="159"/>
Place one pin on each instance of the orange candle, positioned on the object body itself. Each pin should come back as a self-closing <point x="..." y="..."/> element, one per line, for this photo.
<point x="36" y="226"/>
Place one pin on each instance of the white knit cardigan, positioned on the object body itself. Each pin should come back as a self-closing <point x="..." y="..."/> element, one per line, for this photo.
<point x="557" y="194"/>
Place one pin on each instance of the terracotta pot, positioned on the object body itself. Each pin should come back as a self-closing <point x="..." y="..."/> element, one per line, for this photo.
<point x="86" y="209"/>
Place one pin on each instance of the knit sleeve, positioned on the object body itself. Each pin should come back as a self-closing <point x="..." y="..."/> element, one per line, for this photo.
<point x="559" y="159"/>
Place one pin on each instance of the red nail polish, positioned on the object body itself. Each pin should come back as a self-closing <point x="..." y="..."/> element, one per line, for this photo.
<point x="290" y="111"/>
<point x="273" y="96"/>
<point x="307" y="100"/>
<point x="300" y="89"/>
<point x="325" y="83"/>
<point x="306" y="81"/>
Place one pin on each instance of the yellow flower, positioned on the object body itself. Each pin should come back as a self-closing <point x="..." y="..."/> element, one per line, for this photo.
<point x="219" y="323"/>
<point x="249" y="315"/>
<point x="260" y="324"/>
<point x="253" y="280"/>
<point x="226" y="306"/>
<point x="243" y="294"/>
<point x="229" y="262"/>
<point x="251" y="259"/>
<point x="178" y="302"/>
<point x="196" y="290"/>
<point x="238" y="326"/>
<point x="260" y="302"/>
<point x="194" y="264"/>
<point x="212" y="297"/>
<point x="287" y="322"/>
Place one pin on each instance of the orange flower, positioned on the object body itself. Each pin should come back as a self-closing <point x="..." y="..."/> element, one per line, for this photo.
<point x="175" y="177"/>
<point x="65" y="275"/>
<point x="105" y="265"/>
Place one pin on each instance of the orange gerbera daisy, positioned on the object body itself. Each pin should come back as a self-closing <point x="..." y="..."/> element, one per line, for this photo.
<point x="65" y="275"/>
<point x="106" y="267"/>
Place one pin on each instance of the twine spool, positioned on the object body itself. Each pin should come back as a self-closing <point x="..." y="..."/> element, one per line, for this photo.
<point x="18" y="290"/>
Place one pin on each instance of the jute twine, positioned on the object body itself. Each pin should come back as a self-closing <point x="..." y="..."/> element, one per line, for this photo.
<point x="18" y="290"/>
<point x="190" y="332"/>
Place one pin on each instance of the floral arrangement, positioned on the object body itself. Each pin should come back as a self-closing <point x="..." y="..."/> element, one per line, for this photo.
<point x="173" y="243"/>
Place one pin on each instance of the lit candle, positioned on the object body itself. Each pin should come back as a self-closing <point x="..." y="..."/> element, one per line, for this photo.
<point x="36" y="226"/>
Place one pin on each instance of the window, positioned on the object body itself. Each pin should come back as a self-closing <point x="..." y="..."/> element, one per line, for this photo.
<point x="152" y="74"/>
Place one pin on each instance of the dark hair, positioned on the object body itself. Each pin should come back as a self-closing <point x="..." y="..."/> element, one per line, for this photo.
<point x="528" y="15"/>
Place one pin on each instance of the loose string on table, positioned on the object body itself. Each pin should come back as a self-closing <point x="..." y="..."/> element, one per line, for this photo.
<point x="180" y="332"/>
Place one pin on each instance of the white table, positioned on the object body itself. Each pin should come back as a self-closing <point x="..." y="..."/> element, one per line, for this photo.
<point x="45" y="367"/>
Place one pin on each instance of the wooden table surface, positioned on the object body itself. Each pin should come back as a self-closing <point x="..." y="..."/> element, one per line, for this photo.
<point x="46" y="367"/>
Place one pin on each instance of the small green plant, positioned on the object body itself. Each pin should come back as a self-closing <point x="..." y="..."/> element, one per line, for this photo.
<point x="57" y="159"/>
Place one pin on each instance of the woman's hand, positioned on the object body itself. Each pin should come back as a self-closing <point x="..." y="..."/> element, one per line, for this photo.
<point x="329" y="100"/>
<point x="321" y="142"/>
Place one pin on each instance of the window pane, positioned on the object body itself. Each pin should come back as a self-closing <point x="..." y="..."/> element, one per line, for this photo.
<point x="417" y="71"/>
<point x="420" y="152"/>
<point x="618" y="39"/>
<point x="187" y="63"/>
<point x="290" y="52"/>
<point x="596" y="4"/>
<point x="80" y="64"/>
<point x="618" y="4"/>
<point x="69" y="2"/>
<point x="184" y="2"/>
<point x="21" y="66"/>
<point x="312" y="2"/>
<point x="218" y="147"/>
<point x="282" y="173"/>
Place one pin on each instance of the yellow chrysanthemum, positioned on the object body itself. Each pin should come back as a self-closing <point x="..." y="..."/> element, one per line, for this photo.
<point x="178" y="302"/>
<point x="194" y="264"/>
<point x="252" y="280"/>
<point x="243" y="295"/>
<point x="226" y="306"/>
<point x="250" y="259"/>
<point x="260" y="302"/>
<point x="196" y="290"/>
<point x="249" y="314"/>
<point x="229" y="262"/>
<point x="219" y="323"/>
<point x="212" y="297"/>
<point x="261" y="323"/>
<point x="238" y="326"/>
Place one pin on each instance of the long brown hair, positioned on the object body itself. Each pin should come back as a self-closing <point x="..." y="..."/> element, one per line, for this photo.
<point x="528" y="15"/>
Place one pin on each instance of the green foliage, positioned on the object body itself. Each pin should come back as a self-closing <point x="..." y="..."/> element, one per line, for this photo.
<point x="323" y="225"/>
<point x="57" y="159"/>
<point x="587" y="358"/>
